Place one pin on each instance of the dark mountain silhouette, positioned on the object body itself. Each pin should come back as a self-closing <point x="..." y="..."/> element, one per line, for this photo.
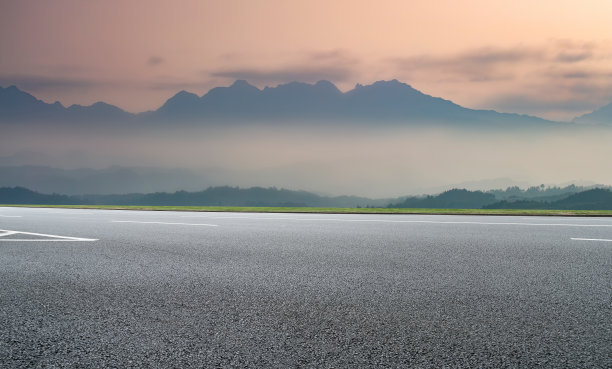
<point x="182" y="104"/>
<point x="602" y="115"/>
<point x="98" y="111"/>
<point x="452" y="199"/>
<point x="17" y="105"/>
<point x="383" y="101"/>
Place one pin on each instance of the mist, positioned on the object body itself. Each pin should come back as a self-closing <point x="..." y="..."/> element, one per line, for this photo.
<point x="334" y="159"/>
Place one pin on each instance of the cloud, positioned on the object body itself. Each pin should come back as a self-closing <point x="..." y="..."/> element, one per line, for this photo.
<point x="334" y="65"/>
<point x="182" y="85"/>
<point x="557" y="79"/>
<point x="579" y="73"/>
<point x="59" y="85"/>
<point x="286" y="74"/>
<point x="554" y="101"/>
<point x="533" y="104"/>
<point x="598" y="93"/>
<point x="573" y="57"/>
<point x="337" y="56"/>
<point x="490" y="56"/>
<point x="485" y="56"/>
<point x="484" y="64"/>
<point x="35" y="83"/>
<point x="155" y="60"/>
<point x="494" y="63"/>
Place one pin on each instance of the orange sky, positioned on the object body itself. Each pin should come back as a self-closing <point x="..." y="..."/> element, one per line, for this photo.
<point x="547" y="58"/>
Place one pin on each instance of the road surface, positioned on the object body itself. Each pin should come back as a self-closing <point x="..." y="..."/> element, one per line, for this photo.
<point x="105" y="288"/>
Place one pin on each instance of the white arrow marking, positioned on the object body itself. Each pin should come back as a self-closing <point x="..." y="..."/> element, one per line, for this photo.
<point x="51" y="237"/>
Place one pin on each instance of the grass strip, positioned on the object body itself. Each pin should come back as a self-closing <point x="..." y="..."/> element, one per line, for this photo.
<point x="249" y="209"/>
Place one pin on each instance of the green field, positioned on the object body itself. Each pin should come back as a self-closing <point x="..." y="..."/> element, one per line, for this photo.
<point x="246" y="209"/>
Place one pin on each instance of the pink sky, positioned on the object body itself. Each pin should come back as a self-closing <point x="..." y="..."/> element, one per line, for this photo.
<point x="547" y="58"/>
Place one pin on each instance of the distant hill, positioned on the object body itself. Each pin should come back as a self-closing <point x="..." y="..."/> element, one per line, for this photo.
<point x="20" y="195"/>
<point x="212" y="196"/>
<point x="595" y="199"/>
<point x="389" y="102"/>
<point x="115" y="179"/>
<point x="452" y="199"/>
<point x="539" y="193"/>
<point x="233" y="196"/>
<point x="17" y="105"/>
<point x="602" y="115"/>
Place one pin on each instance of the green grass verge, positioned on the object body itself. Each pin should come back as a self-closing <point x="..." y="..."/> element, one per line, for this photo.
<point x="247" y="209"/>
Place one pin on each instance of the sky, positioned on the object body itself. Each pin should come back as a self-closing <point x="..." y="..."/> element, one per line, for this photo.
<point x="547" y="58"/>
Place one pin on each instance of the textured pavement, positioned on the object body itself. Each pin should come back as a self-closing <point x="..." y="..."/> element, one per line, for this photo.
<point x="173" y="289"/>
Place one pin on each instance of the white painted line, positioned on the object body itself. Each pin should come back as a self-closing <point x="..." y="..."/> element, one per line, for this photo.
<point x="587" y="219"/>
<point x="411" y="221"/>
<point x="244" y="217"/>
<point x="67" y="212"/>
<point x="10" y="216"/>
<point x="592" y="239"/>
<point x="171" y="223"/>
<point x="51" y="237"/>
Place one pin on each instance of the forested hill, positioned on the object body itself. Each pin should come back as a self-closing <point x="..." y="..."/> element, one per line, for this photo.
<point x="592" y="199"/>
<point x="212" y="196"/>
<point x="595" y="199"/>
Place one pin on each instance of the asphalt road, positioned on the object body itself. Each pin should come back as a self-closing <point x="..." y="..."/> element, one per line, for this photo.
<point x="170" y="289"/>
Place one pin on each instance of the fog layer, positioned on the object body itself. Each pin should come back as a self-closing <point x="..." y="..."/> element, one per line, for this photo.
<point x="374" y="162"/>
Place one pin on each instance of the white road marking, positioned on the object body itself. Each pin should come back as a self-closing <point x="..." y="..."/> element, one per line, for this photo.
<point x="172" y="223"/>
<point x="407" y="221"/>
<point x="67" y="212"/>
<point x="10" y="216"/>
<point x="590" y="219"/>
<point x="245" y="217"/>
<point x="51" y="237"/>
<point x="592" y="239"/>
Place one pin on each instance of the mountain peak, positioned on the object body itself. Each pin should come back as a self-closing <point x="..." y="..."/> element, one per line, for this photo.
<point x="392" y="83"/>
<point x="243" y="85"/>
<point x="326" y="85"/>
<point x="392" y="89"/>
<point x="180" y="102"/>
<point x="15" y="102"/>
<point x="184" y="94"/>
<point x="13" y="90"/>
<point x="602" y="115"/>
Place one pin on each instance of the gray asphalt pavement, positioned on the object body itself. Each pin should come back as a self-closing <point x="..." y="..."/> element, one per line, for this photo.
<point x="173" y="289"/>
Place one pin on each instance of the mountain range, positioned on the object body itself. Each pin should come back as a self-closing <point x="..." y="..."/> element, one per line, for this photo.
<point x="383" y="101"/>
<point x="17" y="105"/>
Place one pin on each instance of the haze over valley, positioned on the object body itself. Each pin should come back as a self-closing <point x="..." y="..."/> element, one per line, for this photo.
<point x="382" y="140"/>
